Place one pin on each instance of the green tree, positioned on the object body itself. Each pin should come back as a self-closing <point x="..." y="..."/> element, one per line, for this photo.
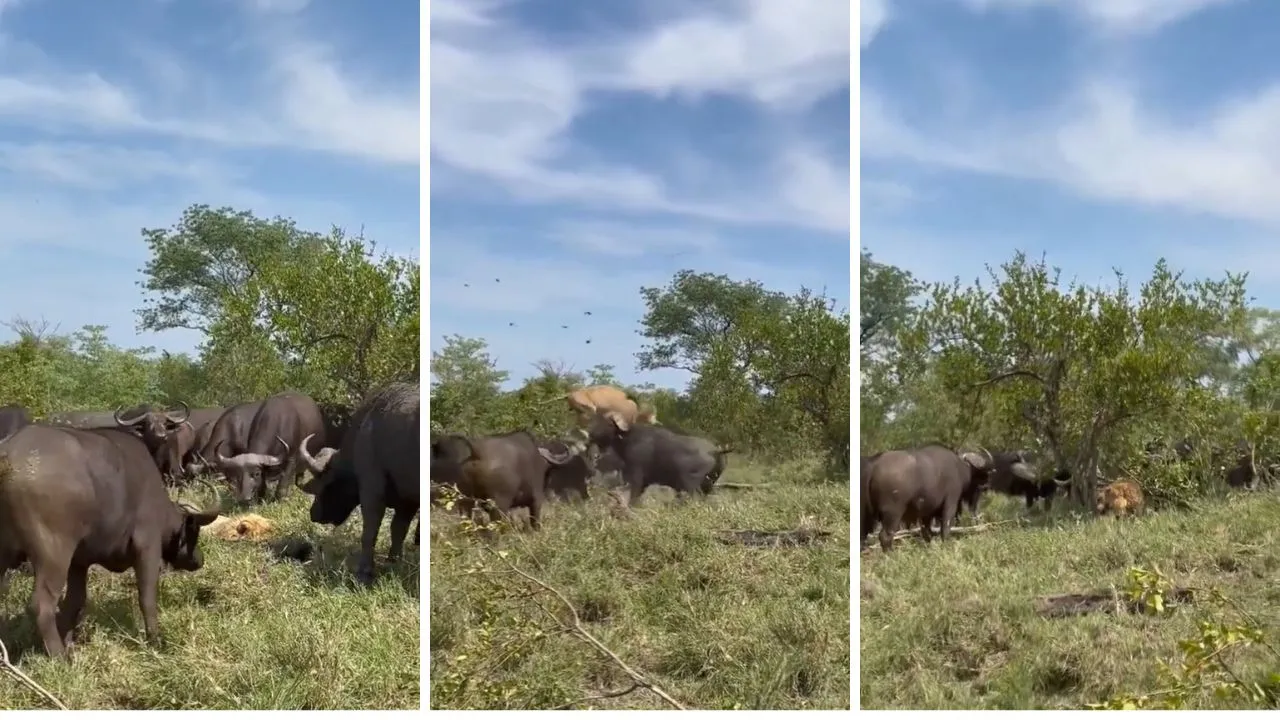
<point x="1078" y="369"/>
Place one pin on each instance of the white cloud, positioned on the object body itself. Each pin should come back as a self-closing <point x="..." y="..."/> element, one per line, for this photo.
<point x="1104" y="143"/>
<point x="104" y="167"/>
<point x="1114" y="16"/>
<point x="505" y="104"/>
<point x="785" y="55"/>
<point x="331" y="112"/>
<point x="872" y="14"/>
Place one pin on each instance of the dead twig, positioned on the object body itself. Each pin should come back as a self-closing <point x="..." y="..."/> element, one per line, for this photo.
<point x="742" y="486"/>
<point x="957" y="530"/>
<point x="1109" y="601"/>
<point x="576" y="627"/>
<point x="26" y="679"/>
<point x="605" y="696"/>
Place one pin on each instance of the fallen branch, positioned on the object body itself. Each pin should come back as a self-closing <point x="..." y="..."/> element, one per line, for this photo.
<point x="606" y="696"/>
<point x="577" y="628"/>
<point x="26" y="679"/>
<point x="741" y="486"/>
<point x="958" y="529"/>
<point x="1072" y="604"/>
<point x="776" y="538"/>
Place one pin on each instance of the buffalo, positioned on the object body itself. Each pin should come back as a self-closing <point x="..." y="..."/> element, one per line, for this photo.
<point x="656" y="455"/>
<point x="228" y="434"/>
<point x="510" y="470"/>
<point x="12" y="419"/>
<point x="569" y="481"/>
<point x="71" y="499"/>
<point x="178" y="451"/>
<point x="902" y="487"/>
<point x="151" y="424"/>
<point x="1014" y="473"/>
<point x="376" y="466"/>
<point x="283" y="422"/>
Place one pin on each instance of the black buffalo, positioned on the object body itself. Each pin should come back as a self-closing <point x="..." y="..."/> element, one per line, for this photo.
<point x="229" y="435"/>
<point x="657" y="455"/>
<point x="280" y="426"/>
<point x="510" y="470"/>
<point x="376" y="466"/>
<point x="1015" y="473"/>
<point x="71" y="499"/>
<point x="569" y="480"/>
<point x="12" y="419"/>
<point x="924" y="485"/>
<point x="152" y="425"/>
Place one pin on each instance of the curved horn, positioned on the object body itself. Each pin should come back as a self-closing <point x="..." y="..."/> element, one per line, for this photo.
<point x="553" y="457"/>
<point x="987" y="453"/>
<point x="315" y="465"/>
<point x="186" y="413"/>
<point x="125" y="423"/>
<point x="279" y="459"/>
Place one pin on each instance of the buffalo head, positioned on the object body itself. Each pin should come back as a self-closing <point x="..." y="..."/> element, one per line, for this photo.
<point x="152" y="425"/>
<point x="181" y="549"/>
<point x="333" y="484"/>
<point x="244" y="471"/>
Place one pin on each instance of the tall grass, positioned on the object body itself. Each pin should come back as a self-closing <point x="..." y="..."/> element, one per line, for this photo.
<point x="953" y="626"/>
<point x="714" y="625"/>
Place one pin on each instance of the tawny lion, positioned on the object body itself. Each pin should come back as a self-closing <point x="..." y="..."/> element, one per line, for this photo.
<point x="585" y="402"/>
<point x="1122" y="497"/>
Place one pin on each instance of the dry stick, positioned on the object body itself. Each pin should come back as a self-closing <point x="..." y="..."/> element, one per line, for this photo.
<point x="957" y="530"/>
<point x="4" y="659"/>
<point x="582" y="632"/>
<point x="606" y="696"/>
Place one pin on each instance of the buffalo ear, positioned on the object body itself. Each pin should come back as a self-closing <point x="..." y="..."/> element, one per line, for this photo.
<point x="204" y="518"/>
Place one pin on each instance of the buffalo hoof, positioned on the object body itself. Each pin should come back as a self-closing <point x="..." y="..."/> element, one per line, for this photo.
<point x="364" y="577"/>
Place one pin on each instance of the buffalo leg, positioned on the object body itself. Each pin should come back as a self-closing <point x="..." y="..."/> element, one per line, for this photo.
<point x="535" y="513"/>
<point x="146" y="571"/>
<point x="73" y="603"/>
<point x="371" y="516"/>
<point x="399" y="529"/>
<point x="888" y="528"/>
<point x="51" y="577"/>
<point x="634" y="479"/>
<point x="1048" y="503"/>
<point x="1031" y="501"/>
<point x="949" y="510"/>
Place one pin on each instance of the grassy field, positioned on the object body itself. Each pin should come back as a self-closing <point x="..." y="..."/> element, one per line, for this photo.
<point x="716" y="626"/>
<point x="248" y="631"/>
<point x="954" y="626"/>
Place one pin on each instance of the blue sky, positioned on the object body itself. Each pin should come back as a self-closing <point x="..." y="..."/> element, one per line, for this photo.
<point x="117" y="116"/>
<point x="582" y="150"/>
<point x="1105" y="132"/>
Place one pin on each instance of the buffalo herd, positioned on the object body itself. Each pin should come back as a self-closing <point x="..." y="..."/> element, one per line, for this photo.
<point x="89" y="488"/>
<point x="520" y="470"/>
<point x="934" y="484"/>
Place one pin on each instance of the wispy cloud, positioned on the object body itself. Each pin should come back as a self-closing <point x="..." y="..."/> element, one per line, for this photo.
<point x="155" y="106"/>
<point x="593" y="150"/>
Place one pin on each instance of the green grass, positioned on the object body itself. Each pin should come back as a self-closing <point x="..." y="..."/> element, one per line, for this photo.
<point x="953" y="626"/>
<point x="247" y="631"/>
<point x="716" y="626"/>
